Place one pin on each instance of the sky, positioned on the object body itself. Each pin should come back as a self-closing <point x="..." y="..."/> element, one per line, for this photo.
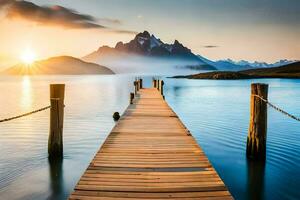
<point x="256" y="30"/>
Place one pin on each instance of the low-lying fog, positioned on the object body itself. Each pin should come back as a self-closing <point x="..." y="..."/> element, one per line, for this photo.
<point x="148" y="66"/>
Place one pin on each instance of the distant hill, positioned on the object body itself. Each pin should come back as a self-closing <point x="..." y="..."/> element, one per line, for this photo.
<point x="287" y="71"/>
<point x="148" y="46"/>
<point x="230" y="65"/>
<point x="257" y="64"/>
<point x="225" y="64"/>
<point x="65" y="65"/>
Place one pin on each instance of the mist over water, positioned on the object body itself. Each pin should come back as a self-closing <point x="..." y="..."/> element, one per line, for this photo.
<point x="134" y="64"/>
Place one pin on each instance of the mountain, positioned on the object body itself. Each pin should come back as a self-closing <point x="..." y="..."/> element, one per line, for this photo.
<point x="230" y="65"/>
<point x="146" y="49"/>
<point x="225" y="64"/>
<point x="58" y="65"/>
<point x="257" y="64"/>
<point x="291" y="70"/>
<point x="148" y="46"/>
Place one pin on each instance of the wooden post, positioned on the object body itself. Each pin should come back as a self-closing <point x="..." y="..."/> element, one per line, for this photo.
<point x="135" y="87"/>
<point x="160" y="82"/>
<point x="256" y="140"/>
<point x="131" y="98"/>
<point x="154" y="83"/>
<point x="55" y="141"/>
<point x="141" y="83"/>
<point x="138" y="84"/>
<point x="162" y="87"/>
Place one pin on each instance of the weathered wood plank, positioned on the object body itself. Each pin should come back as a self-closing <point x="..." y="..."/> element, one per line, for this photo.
<point x="152" y="195"/>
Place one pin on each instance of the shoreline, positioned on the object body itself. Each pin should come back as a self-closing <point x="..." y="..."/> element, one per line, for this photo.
<point x="290" y="71"/>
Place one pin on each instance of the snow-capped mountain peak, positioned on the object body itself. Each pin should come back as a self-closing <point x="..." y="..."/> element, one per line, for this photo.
<point x="148" y="45"/>
<point x="257" y="64"/>
<point x="154" y="42"/>
<point x="145" y="45"/>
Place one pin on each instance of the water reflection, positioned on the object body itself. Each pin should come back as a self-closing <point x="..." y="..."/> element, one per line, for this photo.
<point x="256" y="177"/>
<point x="56" y="179"/>
<point x="26" y="97"/>
<point x="176" y="90"/>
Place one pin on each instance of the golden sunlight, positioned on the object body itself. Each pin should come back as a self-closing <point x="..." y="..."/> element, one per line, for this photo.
<point x="28" y="56"/>
<point x="26" y="94"/>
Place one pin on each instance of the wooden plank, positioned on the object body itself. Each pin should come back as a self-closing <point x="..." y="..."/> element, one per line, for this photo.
<point x="150" y="154"/>
<point x="151" y="195"/>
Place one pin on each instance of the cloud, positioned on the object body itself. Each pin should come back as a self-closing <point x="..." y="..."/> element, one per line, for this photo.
<point x="126" y="32"/>
<point x="210" y="46"/>
<point x="110" y="21"/>
<point x="52" y="15"/>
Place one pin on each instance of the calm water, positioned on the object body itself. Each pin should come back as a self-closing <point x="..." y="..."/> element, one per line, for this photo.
<point x="217" y="113"/>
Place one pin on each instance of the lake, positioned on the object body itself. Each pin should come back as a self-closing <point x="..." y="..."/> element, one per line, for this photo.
<point x="216" y="112"/>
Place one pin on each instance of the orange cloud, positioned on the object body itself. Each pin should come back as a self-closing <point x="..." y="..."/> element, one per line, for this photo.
<point x="55" y="16"/>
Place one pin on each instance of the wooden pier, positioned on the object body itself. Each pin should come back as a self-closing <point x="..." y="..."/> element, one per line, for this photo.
<point x="150" y="154"/>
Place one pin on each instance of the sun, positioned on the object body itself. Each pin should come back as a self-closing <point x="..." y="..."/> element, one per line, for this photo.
<point x="28" y="56"/>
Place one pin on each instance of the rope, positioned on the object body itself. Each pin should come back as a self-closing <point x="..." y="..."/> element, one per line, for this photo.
<point x="25" y="114"/>
<point x="277" y="108"/>
<point x="29" y="113"/>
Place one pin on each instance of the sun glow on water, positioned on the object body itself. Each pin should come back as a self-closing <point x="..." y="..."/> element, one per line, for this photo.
<point x="26" y="94"/>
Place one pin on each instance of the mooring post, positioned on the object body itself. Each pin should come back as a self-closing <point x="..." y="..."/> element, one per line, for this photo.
<point x="257" y="134"/>
<point x="137" y="80"/>
<point x="135" y="87"/>
<point x="154" y="83"/>
<point x="131" y="98"/>
<point x="55" y="141"/>
<point x="138" y="84"/>
<point x="141" y="83"/>
<point x="162" y="87"/>
<point x="158" y="84"/>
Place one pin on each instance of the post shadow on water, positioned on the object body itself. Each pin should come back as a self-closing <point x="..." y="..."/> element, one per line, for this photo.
<point x="256" y="177"/>
<point x="56" y="186"/>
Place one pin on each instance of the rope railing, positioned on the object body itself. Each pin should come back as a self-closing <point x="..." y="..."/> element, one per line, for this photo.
<point x="277" y="108"/>
<point x="25" y="114"/>
<point x="28" y="113"/>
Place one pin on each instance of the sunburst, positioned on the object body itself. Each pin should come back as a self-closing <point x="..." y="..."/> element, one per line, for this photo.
<point x="28" y="56"/>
